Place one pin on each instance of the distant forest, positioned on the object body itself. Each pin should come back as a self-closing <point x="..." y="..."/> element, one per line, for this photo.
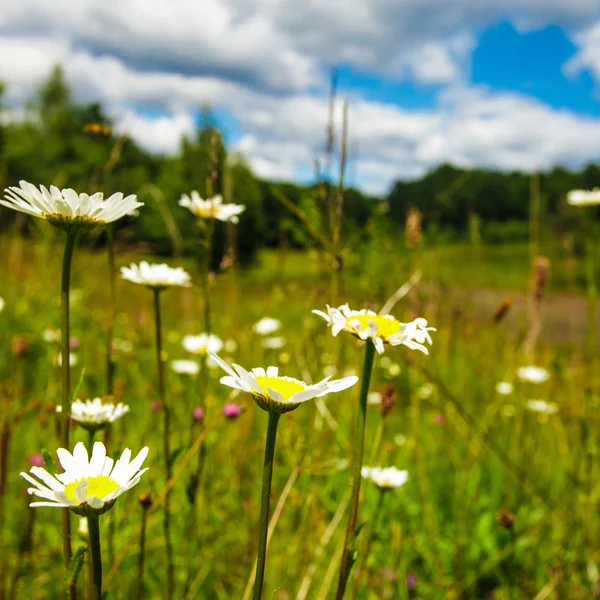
<point x="67" y="144"/>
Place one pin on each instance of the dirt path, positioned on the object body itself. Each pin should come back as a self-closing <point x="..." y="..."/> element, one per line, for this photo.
<point x="564" y="316"/>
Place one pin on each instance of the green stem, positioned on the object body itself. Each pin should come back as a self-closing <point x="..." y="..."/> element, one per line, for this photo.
<point x="166" y="442"/>
<point x="91" y="436"/>
<point x="94" y="535"/>
<point x="370" y="537"/>
<point x="110" y="331"/>
<point x="264" y="504"/>
<point x="66" y="386"/>
<point x="357" y="459"/>
<point x="142" y="554"/>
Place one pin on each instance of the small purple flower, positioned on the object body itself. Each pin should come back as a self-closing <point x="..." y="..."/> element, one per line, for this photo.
<point x="36" y="460"/>
<point x="156" y="406"/>
<point x="74" y="342"/>
<point x="411" y="581"/>
<point x="198" y="414"/>
<point x="231" y="410"/>
<point x="439" y="419"/>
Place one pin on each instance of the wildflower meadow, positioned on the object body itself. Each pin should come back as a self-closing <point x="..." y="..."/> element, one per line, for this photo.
<point x="371" y="411"/>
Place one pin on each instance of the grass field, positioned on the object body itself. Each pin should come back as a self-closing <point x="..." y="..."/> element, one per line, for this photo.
<point x="501" y="500"/>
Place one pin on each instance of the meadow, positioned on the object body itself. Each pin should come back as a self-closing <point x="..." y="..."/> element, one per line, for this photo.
<point x="502" y="496"/>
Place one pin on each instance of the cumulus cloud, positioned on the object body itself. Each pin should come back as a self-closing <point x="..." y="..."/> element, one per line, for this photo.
<point x="264" y="63"/>
<point x="588" y="54"/>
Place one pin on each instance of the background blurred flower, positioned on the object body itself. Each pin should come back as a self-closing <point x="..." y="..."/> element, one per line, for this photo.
<point x="504" y="388"/>
<point x="542" y="406"/>
<point x="232" y="410"/>
<point x="273" y="343"/>
<point x="156" y="276"/>
<point x="584" y="197"/>
<point x="385" y="478"/>
<point x="185" y="367"/>
<point x="201" y="344"/>
<point x="266" y="326"/>
<point x="533" y="374"/>
<point x="211" y="208"/>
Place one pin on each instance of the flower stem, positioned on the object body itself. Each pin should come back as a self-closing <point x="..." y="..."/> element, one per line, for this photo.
<point x="264" y="503"/>
<point x="110" y="330"/>
<point x="66" y="386"/>
<point x="369" y="541"/>
<point x="357" y="458"/>
<point x="94" y="535"/>
<point x="142" y="554"/>
<point x="166" y="442"/>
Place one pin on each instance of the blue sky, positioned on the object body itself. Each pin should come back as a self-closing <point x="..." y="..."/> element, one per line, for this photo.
<point x="500" y="84"/>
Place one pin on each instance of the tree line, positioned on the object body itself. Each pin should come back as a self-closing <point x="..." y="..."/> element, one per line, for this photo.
<point x="68" y="144"/>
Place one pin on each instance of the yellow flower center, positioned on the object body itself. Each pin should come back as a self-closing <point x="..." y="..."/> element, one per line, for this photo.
<point x="385" y="327"/>
<point x="207" y="212"/>
<point x="286" y="387"/>
<point x="99" y="486"/>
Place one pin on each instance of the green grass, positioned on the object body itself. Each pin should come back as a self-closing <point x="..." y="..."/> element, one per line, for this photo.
<point x="487" y="454"/>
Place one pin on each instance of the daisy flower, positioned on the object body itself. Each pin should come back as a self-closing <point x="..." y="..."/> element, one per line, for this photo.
<point x="548" y="408"/>
<point x="95" y="414"/>
<point x="533" y="374"/>
<point x="584" y="197"/>
<point x="66" y="209"/>
<point x="156" y="276"/>
<point x="275" y="392"/>
<point x="273" y="343"/>
<point x="266" y="326"/>
<point x="211" y="208"/>
<point x="200" y="344"/>
<point x="385" y="478"/>
<point x="381" y="329"/>
<point x="504" y="388"/>
<point x="88" y="486"/>
<point x="185" y="367"/>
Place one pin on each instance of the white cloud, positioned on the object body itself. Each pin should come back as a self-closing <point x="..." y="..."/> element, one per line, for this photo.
<point x="161" y="135"/>
<point x="588" y="54"/>
<point x="262" y="61"/>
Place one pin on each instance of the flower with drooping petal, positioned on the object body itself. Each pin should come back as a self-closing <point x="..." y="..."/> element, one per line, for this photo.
<point x="584" y="197"/>
<point x="533" y="374"/>
<point x="211" y="208"/>
<point x="385" y="478"/>
<point x="274" y="392"/>
<point x="156" y="276"/>
<point x="266" y="326"/>
<point x="185" y="367"/>
<point x="201" y="344"/>
<point x="66" y="209"/>
<point x="548" y="408"/>
<point x="95" y="414"/>
<point x="88" y="485"/>
<point x="380" y="329"/>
